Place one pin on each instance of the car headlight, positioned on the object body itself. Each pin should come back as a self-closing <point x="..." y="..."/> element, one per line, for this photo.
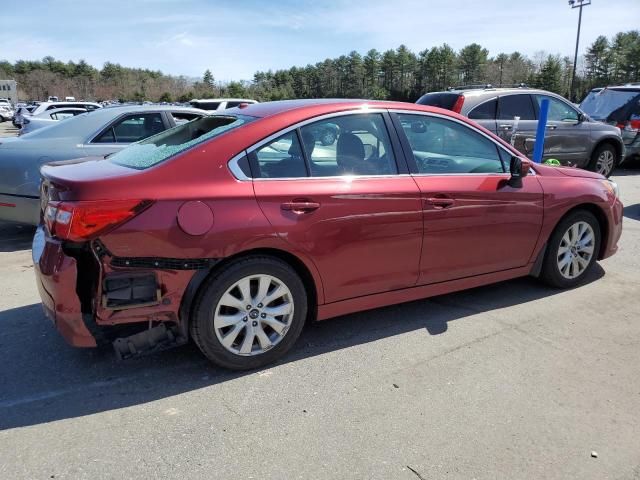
<point x="612" y="187"/>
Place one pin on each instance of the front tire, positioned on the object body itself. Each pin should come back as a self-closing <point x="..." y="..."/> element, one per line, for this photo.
<point x="572" y="250"/>
<point x="250" y="313"/>
<point x="604" y="160"/>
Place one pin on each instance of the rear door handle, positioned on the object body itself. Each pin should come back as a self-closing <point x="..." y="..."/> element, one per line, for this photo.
<point x="551" y="127"/>
<point x="300" y="206"/>
<point x="439" y="203"/>
<point x="506" y="127"/>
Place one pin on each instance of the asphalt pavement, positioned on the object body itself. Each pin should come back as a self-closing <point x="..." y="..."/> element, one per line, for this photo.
<point x="510" y="381"/>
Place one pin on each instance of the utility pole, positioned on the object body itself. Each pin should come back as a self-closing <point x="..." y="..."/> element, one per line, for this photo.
<point x="576" y="4"/>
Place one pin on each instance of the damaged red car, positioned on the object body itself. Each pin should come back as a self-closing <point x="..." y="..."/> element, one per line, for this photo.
<point x="234" y="229"/>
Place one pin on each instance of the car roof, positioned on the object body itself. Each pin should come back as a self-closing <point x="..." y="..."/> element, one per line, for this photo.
<point x="223" y="100"/>
<point x="62" y="104"/>
<point x="632" y="88"/>
<point x="325" y="105"/>
<point x="61" y="109"/>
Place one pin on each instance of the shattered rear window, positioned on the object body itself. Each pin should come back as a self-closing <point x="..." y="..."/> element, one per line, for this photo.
<point x="158" y="148"/>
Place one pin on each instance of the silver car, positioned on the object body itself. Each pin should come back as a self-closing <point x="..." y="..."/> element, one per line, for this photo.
<point x="571" y="136"/>
<point x="6" y="113"/>
<point x="45" y="119"/>
<point x="98" y="133"/>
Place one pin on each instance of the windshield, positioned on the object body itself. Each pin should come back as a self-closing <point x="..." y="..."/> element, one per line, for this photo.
<point x="156" y="149"/>
<point x="610" y="105"/>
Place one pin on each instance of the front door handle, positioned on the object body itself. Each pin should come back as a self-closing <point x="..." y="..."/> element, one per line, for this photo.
<point x="300" y="206"/>
<point x="439" y="203"/>
<point x="506" y="127"/>
<point x="551" y="127"/>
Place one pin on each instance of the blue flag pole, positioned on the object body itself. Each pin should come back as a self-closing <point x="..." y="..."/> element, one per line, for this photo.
<point x="538" y="148"/>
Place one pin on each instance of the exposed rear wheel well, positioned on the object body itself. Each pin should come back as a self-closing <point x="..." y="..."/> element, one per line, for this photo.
<point x="301" y="269"/>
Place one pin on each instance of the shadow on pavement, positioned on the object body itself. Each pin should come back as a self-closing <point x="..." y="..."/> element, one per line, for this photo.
<point x="14" y="237"/>
<point x="45" y="380"/>
<point x="632" y="211"/>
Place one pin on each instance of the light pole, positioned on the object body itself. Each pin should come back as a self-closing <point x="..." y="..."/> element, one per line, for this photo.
<point x="576" y="4"/>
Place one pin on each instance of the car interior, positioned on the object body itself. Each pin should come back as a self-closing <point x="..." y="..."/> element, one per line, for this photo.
<point x="362" y="147"/>
<point x="441" y="146"/>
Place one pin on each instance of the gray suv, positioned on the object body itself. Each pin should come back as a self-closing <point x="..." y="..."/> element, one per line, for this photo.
<point x="572" y="137"/>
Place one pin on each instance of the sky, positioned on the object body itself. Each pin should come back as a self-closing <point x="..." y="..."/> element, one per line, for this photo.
<point x="236" y="38"/>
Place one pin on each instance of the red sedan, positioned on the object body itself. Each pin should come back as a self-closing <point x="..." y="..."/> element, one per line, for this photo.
<point x="236" y="228"/>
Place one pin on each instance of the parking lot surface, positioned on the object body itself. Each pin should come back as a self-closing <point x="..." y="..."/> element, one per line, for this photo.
<point x="513" y="380"/>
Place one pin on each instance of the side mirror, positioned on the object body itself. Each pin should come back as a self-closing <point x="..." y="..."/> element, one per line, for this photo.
<point x="518" y="170"/>
<point x="581" y="117"/>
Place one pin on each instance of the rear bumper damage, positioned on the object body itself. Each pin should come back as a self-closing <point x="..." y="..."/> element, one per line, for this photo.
<point x="94" y="298"/>
<point x="56" y="278"/>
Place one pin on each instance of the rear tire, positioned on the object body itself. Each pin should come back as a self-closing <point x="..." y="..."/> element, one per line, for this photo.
<point x="572" y="250"/>
<point x="604" y="160"/>
<point x="250" y="313"/>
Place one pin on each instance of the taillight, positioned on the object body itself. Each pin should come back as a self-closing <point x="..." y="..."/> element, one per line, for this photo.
<point x="457" y="107"/>
<point x="82" y="221"/>
<point x="630" y="126"/>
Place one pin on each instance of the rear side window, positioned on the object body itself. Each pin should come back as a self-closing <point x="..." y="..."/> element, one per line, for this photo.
<point x="156" y="149"/>
<point x="349" y="145"/>
<point x="485" y="111"/>
<point x="280" y="158"/>
<point x="132" y="129"/>
<point x="510" y="106"/>
<point x="442" y="146"/>
<point x="206" y="105"/>
<point x="439" y="99"/>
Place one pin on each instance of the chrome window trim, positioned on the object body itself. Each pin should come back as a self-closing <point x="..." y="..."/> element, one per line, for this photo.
<point x="235" y="167"/>
<point x="286" y="130"/>
<point x="239" y="175"/>
<point x="337" y="177"/>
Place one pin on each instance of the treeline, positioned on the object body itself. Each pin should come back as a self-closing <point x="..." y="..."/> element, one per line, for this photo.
<point x="398" y="74"/>
<point x="401" y="74"/>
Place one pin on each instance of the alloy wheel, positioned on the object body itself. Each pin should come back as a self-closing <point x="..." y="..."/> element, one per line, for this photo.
<point x="605" y="161"/>
<point x="253" y="315"/>
<point x="576" y="250"/>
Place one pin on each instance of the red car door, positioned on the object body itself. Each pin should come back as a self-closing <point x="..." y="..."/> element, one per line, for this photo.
<point x="474" y="223"/>
<point x="343" y="204"/>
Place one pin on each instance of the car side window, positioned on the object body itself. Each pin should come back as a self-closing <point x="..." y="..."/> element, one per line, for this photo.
<point x="519" y="105"/>
<point x="485" y="111"/>
<point x="280" y="158"/>
<point x="559" y="111"/>
<point x="349" y="145"/>
<point x="442" y="146"/>
<point x="183" y="117"/>
<point x="132" y="128"/>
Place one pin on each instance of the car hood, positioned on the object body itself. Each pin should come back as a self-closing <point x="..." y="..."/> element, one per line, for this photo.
<point x="578" y="172"/>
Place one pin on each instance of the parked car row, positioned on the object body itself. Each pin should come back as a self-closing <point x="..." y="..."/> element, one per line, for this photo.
<point x="572" y="137"/>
